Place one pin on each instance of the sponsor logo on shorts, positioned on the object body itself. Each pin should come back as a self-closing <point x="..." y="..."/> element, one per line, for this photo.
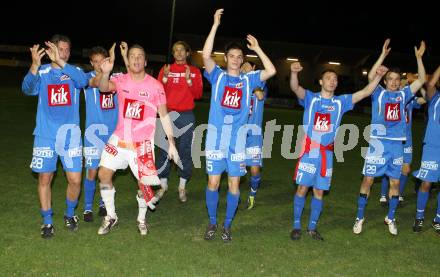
<point x="408" y="150"/>
<point x="215" y="155"/>
<point x="431" y="165"/>
<point x="253" y="150"/>
<point x="239" y="157"/>
<point x="111" y="149"/>
<point x="398" y="161"/>
<point x="91" y="151"/>
<point x="75" y="152"/>
<point x="59" y="95"/>
<point x="307" y="167"/>
<point x="43" y="152"/>
<point x="392" y="112"/>
<point x="375" y="160"/>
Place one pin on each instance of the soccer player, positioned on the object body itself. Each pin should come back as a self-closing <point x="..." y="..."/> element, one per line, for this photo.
<point x="101" y="119"/>
<point x="140" y="98"/>
<point x="254" y="142"/>
<point x="229" y="110"/>
<point x="57" y="132"/>
<point x="323" y="112"/>
<point x="183" y="84"/>
<point x="429" y="171"/>
<point x="413" y="103"/>
<point x="388" y="131"/>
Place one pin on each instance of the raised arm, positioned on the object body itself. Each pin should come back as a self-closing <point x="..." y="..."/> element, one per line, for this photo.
<point x="421" y="78"/>
<point x="430" y="85"/>
<point x="295" y="68"/>
<point x="209" y="62"/>
<point x="368" y="89"/>
<point x="269" y="69"/>
<point x="124" y="53"/>
<point x="385" y="51"/>
<point x="29" y="85"/>
<point x="105" y="84"/>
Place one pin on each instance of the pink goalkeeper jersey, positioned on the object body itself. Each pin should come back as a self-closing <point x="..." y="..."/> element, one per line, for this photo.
<point x="138" y="104"/>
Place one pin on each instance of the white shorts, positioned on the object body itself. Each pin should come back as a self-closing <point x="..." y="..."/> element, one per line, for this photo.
<point x="114" y="157"/>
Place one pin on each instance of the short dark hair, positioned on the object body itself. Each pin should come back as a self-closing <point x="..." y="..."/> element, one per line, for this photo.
<point x="393" y="70"/>
<point x="327" y="71"/>
<point x="184" y="44"/>
<point x="233" y="45"/>
<point x="137" y="46"/>
<point x="98" y="50"/>
<point x="57" y="38"/>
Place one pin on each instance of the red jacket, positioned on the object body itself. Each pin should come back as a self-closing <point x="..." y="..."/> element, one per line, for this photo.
<point x="180" y="95"/>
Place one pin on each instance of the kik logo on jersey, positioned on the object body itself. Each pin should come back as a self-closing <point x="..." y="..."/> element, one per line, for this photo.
<point x="107" y="101"/>
<point x="392" y="112"/>
<point x="134" y="109"/>
<point x="59" y="95"/>
<point x="232" y="98"/>
<point x="322" y="122"/>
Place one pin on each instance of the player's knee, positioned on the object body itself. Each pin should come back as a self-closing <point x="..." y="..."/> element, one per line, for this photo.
<point x="302" y="190"/>
<point x="105" y="175"/>
<point x="406" y="168"/>
<point x="394" y="183"/>
<point x="368" y="181"/>
<point x="74" y="179"/>
<point x="44" y="180"/>
<point x="425" y="187"/>
<point x="92" y="173"/>
<point x="318" y="193"/>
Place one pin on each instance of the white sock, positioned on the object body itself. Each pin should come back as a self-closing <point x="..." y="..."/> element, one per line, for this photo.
<point x="143" y="208"/>
<point x="164" y="183"/>
<point x="108" y="197"/>
<point x="182" y="183"/>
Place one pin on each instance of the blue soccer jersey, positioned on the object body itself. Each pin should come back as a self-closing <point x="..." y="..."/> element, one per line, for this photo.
<point x="388" y="113"/>
<point x="229" y="110"/>
<point x="322" y="116"/>
<point x="254" y="140"/>
<point x="101" y="120"/>
<point x="58" y="97"/>
<point x="432" y="133"/>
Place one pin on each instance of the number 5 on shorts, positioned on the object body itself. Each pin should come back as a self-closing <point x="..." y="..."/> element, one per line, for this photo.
<point x="209" y="166"/>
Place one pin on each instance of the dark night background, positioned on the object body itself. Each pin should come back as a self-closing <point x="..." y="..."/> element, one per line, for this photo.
<point x="361" y="24"/>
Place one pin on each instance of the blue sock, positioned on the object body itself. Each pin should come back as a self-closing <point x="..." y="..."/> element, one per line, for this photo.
<point x="422" y="199"/>
<point x="89" y="194"/>
<point x="403" y="181"/>
<point x="437" y="217"/>
<point x="298" y="206"/>
<point x="70" y="209"/>
<point x="231" y="207"/>
<point x="47" y="216"/>
<point x="316" y="208"/>
<point x="362" y="202"/>
<point x="255" y="184"/>
<point x="211" y="205"/>
<point x="384" y="187"/>
<point x="392" y="206"/>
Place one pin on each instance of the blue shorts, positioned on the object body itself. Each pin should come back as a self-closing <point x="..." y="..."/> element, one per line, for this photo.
<point x="308" y="170"/>
<point x="384" y="157"/>
<point x="46" y="152"/>
<point x="93" y="149"/>
<point x="218" y="162"/>
<point x="254" y="153"/>
<point x="429" y="171"/>
<point x="407" y="152"/>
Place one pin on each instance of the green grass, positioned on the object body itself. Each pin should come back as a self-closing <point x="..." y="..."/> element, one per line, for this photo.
<point x="261" y="243"/>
